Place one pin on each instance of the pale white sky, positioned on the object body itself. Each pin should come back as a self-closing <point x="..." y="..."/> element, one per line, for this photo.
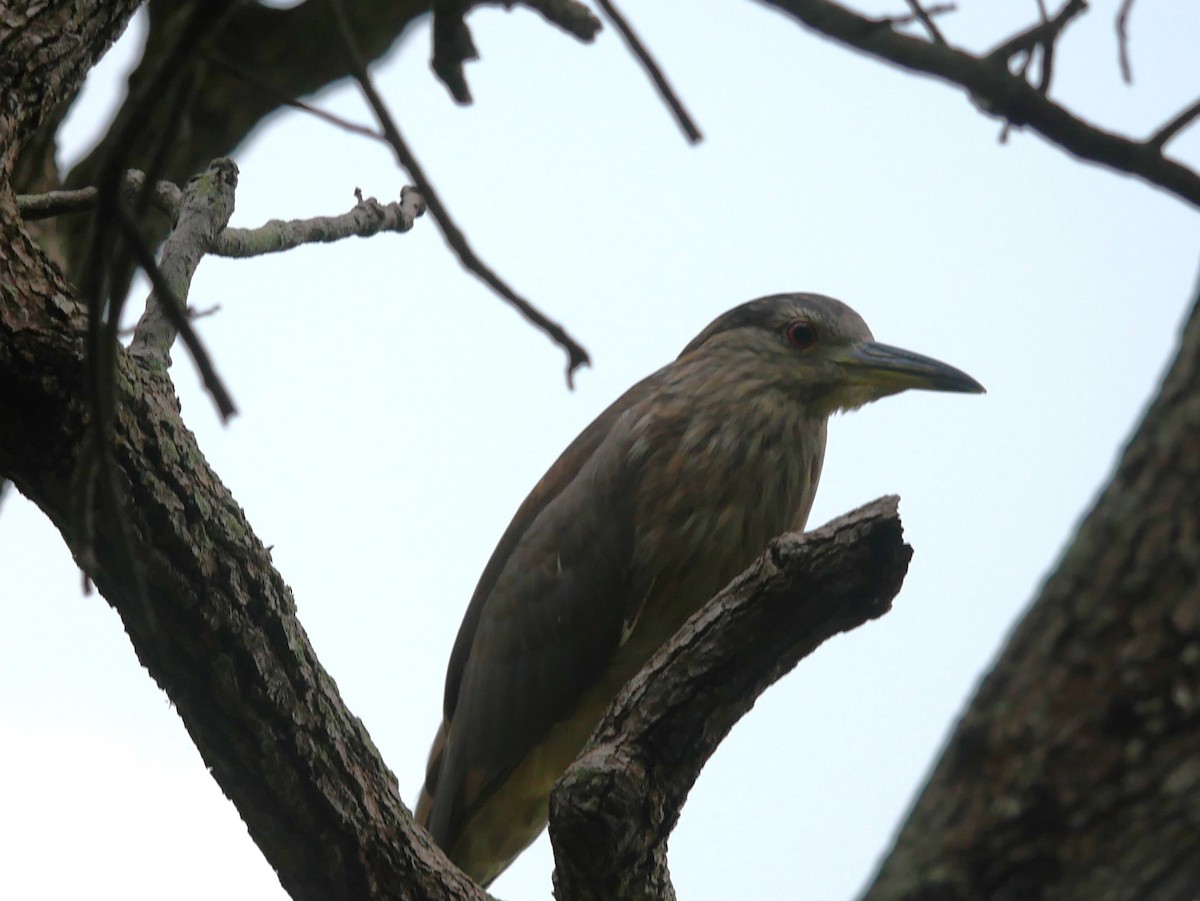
<point x="394" y="414"/>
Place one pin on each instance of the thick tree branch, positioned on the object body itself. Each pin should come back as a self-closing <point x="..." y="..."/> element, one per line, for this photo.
<point x="998" y="92"/>
<point x="611" y="814"/>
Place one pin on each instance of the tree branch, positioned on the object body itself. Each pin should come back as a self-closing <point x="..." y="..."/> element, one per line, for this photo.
<point x="204" y="212"/>
<point x="925" y="17"/>
<point x="998" y="92"/>
<point x="1174" y="126"/>
<point x="164" y="196"/>
<point x="663" y="87"/>
<point x="612" y="812"/>
<point x="1043" y="35"/>
<point x="368" y="217"/>
<point x="1122" y="26"/>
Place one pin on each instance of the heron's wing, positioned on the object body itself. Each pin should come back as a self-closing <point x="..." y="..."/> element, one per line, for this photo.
<point x="543" y="622"/>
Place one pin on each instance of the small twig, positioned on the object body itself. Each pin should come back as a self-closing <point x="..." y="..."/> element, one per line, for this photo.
<point x="250" y="78"/>
<point x="576" y="355"/>
<point x="923" y="15"/>
<point x="1046" y="69"/>
<point x="642" y="55"/>
<point x="164" y="196"/>
<point x="368" y="217"/>
<point x="1022" y="73"/>
<point x="192" y="313"/>
<point x="937" y="9"/>
<point x="1042" y="36"/>
<point x="1122" y="25"/>
<point x="1159" y="139"/>
<point x="1039" y="35"/>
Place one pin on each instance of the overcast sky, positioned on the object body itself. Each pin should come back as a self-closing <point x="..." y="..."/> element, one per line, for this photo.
<point x="394" y="413"/>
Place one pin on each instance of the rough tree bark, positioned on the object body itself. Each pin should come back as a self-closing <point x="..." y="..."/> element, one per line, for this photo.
<point x="1075" y="772"/>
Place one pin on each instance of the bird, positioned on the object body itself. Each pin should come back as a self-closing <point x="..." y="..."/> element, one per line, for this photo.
<point x="661" y="501"/>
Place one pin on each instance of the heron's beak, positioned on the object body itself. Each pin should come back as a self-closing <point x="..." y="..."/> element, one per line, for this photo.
<point x="884" y="370"/>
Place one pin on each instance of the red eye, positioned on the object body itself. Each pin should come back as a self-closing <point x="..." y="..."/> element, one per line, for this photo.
<point x="801" y="335"/>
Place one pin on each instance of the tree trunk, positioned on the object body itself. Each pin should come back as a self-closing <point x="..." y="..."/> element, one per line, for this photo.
<point x="1075" y="772"/>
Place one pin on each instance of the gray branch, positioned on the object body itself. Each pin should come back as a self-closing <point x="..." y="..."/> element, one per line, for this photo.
<point x="204" y="212"/>
<point x="166" y="198"/>
<point x="368" y="217"/>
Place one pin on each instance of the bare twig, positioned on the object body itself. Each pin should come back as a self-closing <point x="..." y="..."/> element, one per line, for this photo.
<point x="1047" y="66"/>
<point x="248" y="77"/>
<point x="1040" y="35"/>
<point x="936" y="9"/>
<point x="1122" y="26"/>
<point x="165" y="197"/>
<point x="923" y="15"/>
<point x="368" y="217"/>
<point x="1159" y="139"/>
<point x="661" y="85"/>
<point x="576" y="355"/>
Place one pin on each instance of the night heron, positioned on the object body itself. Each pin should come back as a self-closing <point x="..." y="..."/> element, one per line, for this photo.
<point x="670" y="493"/>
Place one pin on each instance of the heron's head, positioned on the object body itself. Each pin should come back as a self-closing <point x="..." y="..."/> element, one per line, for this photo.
<point x="820" y="352"/>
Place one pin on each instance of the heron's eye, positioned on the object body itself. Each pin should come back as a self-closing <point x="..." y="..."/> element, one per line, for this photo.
<point x="801" y="335"/>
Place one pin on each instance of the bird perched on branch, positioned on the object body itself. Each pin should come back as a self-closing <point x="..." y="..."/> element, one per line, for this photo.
<point x="670" y="493"/>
